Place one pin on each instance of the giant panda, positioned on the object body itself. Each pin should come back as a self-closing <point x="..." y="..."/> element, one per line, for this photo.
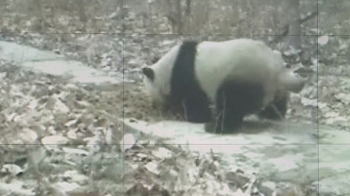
<point x="219" y="83"/>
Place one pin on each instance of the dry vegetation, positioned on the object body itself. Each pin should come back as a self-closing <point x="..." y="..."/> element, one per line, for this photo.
<point x="120" y="36"/>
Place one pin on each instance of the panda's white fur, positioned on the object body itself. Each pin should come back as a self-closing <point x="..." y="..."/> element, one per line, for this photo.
<point x="242" y="59"/>
<point x="219" y="68"/>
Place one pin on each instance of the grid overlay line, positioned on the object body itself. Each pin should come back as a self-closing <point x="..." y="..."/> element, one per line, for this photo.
<point x="317" y="124"/>
<point x="124" y="35"/>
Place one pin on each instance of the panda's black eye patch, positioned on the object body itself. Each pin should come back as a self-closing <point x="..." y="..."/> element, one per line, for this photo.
<point x="148" y="72"/>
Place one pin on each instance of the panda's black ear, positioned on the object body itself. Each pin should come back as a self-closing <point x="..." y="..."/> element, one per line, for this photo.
<point x="148" y="72"/>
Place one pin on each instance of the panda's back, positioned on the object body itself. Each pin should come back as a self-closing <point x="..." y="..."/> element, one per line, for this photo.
<point x="241" y="59"/>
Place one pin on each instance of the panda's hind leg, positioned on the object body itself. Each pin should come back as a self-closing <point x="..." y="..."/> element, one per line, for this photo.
<point x="235" y="99"/>
<point x="277" y="109"/>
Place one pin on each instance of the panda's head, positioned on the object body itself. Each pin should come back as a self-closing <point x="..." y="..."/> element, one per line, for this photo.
<point x="290" y="76"/>
<point x="157" y="89"/>
<point x="157" y="78"/>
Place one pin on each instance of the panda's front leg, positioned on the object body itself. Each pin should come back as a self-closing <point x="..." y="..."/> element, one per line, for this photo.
<point x="227" y="116"/>
<point x="216" y="125"/>
<point x="276" y="110"/>
<point x="196" y="110"/>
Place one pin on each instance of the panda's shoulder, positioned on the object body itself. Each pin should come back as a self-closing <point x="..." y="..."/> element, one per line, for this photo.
<point x="190" y="42"/>
<point x="188" y="46"/>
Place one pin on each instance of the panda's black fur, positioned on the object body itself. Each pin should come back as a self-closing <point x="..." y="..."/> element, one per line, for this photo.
<point x="234" y="98"/>
<point x="185" y="87"/>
